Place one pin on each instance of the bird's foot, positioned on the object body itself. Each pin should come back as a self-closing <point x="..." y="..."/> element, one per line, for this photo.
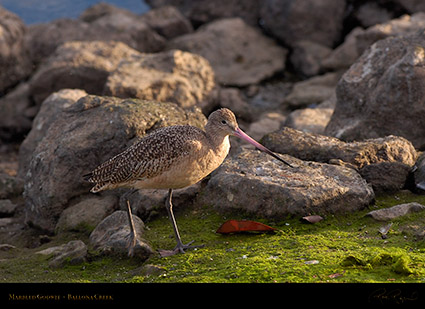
<point x="180" y="248"/>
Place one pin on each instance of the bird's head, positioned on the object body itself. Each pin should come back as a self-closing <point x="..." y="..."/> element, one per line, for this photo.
<point x="223" y="122"/>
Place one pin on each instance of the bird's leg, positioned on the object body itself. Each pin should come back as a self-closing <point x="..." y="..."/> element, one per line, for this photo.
<point x="133" y="235"/>
<point x="180" y="246"/>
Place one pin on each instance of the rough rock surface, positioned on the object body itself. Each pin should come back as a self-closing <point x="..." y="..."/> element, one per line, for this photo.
<point x="10" y="186"/>
<point x="16" y="113"/>
<point x="383" y="93"/>
<point x="14" y="62"/>
<point x="313" y="120"/>
<point x="204" y="11"/>
<point x="383" y="162"/>
<point x="294" y="20"/>
<point x="72" y="253"/>
<point x="111" y="236"/>
<point x="254" y="183"/>
<point x="239" y="54"/>
<point x="82" y="136"/>
<point x="51" y="108"/>
<point x="85" y="215"/>
<point x="80" y="65"/>
<point x="397" y="211"/>
<point x="114" y="25"/>
<point x="172" y="76"/>
<point x="167" y="21"/>
<point x="359" y="39"/>
<point x="313" y="90"/>
<point x="320" y="148"/>
<point x="307" y="57"/>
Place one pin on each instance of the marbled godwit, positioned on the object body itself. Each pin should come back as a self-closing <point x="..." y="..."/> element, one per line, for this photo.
<point x="171" y="158"/>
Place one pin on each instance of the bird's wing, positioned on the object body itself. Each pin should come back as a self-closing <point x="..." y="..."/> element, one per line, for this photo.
<point x="152" y="155"/>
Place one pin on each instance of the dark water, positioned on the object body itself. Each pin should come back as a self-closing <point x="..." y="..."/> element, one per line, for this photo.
<point x="39" y="11"/>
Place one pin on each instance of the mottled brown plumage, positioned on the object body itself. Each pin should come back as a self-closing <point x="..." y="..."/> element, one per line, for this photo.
<point x="171" y="158"/>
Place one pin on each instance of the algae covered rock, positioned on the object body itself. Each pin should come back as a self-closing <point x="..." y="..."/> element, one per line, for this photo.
<point x="254" y="183"/>
<point x="72" y="253"/>
<point x="83" y="135"/>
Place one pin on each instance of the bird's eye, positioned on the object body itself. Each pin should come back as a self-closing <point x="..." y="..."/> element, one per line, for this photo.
<point x="224" y="122"/>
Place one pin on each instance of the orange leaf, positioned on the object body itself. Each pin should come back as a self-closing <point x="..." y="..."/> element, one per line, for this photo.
<point x="236" y="226"/>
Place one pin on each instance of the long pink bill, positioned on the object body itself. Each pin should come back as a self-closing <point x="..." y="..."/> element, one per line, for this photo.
<point x="241" y="134"/>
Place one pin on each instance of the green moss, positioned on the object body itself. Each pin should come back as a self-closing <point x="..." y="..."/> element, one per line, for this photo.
<point x="340" y="248"/>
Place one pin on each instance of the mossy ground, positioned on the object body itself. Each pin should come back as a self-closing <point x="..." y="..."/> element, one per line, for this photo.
<point x="341" y="248"/>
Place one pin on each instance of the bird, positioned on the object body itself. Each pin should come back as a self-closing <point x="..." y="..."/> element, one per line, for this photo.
<point x="171" y="158"/>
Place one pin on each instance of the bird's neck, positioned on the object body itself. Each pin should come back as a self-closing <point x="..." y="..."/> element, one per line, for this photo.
<point x="216" y="138"/>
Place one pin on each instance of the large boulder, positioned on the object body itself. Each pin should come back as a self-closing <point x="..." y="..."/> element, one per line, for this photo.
<point x="240" y="54"/>
<point x="383" y="93"/>
<point x="252" y="182"/>
<point x="174" y="76"/>
<point x="78" y="64"/>
<point x="84" y="134"/>
<point x="359" y="39"/>
<point x="318" y="21"/>
<point x="383" y="162"/>
<point x="51" y="108"/>
<point x="14" y="61"/>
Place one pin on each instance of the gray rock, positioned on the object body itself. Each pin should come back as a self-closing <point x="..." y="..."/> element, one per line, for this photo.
<point x="48" y="113"/>
<point x="167" y="21"/>
<point x="111" y="236"/>
<point x="419" y="173"/>
<point x="313" y="90"/>
<point x="71" y="253"/>
<point x="383" y="162"/>
<point x="320" y="148"/>
<point x="370" y="14"/>
<point x="252" y="182"/>
<point x="383" y="93"/>
<point x="87" y="133"/>
<point x="268" y="122"/>
<point x="359" y="39"/>
<point x="16" y="113"/>
<point x="204" y="11"/>
<point x="15" y="64"/>
<point x="7" y="208"/>
<point x="239" y="54"/>
<point x="102" y="9"/>
<point x="85" y="215"/>
<point x="342" y="57"/>
<point x="172" y="76"/>
<point x="394" y="212"/>
<point x="294" y="20"/>
<point x="314" y="119"/>
<point x="113" y="25"/>
<point x="10" y="186"/>
<point x="307" y="57"/>
<point x="78" y="65"/>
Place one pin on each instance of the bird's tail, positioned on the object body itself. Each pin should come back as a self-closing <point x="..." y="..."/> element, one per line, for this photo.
<point x="88" y="177"/>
